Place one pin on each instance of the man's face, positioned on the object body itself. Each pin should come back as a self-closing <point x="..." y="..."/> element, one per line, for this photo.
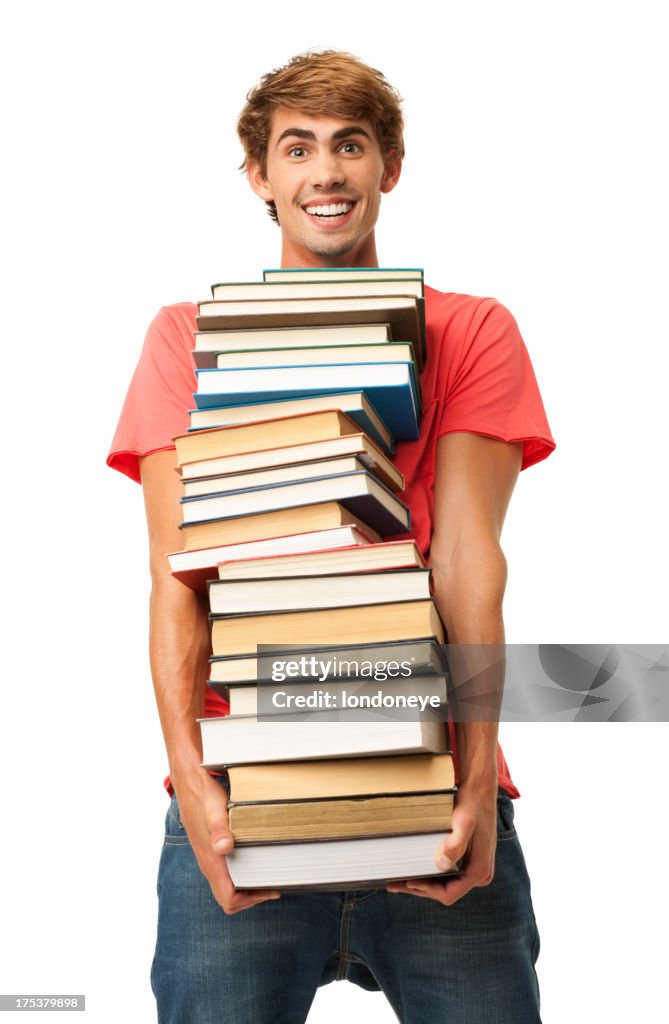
<point x="325" y="176"/>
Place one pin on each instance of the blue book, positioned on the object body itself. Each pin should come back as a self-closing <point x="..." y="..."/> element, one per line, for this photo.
<point x="391" y="387"/>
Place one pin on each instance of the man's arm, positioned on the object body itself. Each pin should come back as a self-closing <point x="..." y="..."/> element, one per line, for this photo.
<point x="474" y="480"/>
<point x="180" y="647"/>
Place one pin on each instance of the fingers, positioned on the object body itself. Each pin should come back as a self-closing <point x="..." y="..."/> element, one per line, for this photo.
<point x="225" y="894"/>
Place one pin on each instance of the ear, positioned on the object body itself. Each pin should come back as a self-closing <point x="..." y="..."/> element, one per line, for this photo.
<point x="391" y="174"/>
<point x="258" y="181"/>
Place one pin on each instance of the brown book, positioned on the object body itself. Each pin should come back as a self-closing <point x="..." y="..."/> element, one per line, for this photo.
<point x="279" y="523"/>
<point x="347" y="777"/>
<point x="237" y="439"/>
<point x="341" y="819"/>
<point x="373" y="623"/>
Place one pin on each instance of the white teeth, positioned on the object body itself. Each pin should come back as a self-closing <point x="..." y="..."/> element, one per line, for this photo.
<point x="330" y="210"/>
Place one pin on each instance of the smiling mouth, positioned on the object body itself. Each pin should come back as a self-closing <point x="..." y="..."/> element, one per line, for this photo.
<point x="328" y="211"/>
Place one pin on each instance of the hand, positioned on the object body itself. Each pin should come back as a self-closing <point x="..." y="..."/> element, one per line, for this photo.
<point x="473" y="840"/>
<point x="203" y="809"/>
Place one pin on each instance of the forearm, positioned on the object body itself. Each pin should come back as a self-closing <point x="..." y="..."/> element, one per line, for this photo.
<point x="469" y="593"/>
<point x="179" y="648"/>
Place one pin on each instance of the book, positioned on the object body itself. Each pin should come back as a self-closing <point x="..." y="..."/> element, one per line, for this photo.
<point x="299" y="460"/>
<point x="372" y="623"/>
<point x="340" y="819"/>
<point x="209" y="343"/>
<point x="265" y="525"/>
<point x="392" y="387"/>
<point x="352" y="777"/>
<point x="423" y="694"/>
<point x="341" y="273"/>
<point x="241" y="438"/>
<point x="357" y="660"/>
<point x="337" y="864"/>
<point x="240" y="597"/>
<point x="393" y="352"/>
<point x="360" y="492"/>
<point x="404" y="313"/>
<point x="354" y="403"/>
<point x="398" y="554"/>
<point x="316" y="288"/>
<point x="245" y="739"/>
<point x="197" y="566"/>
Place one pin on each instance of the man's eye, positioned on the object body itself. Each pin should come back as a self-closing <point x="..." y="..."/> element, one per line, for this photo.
<point x="350" y="147"/>
<point x="296" y="151"/>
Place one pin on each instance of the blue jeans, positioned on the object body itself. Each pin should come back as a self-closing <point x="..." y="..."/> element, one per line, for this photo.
<point x="472" y="963"/>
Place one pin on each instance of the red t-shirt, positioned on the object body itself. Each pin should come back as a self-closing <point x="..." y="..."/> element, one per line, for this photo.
<point x="478" y="378"/>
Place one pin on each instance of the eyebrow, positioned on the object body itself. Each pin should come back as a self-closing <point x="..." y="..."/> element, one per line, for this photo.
<point x="305" y="133"/>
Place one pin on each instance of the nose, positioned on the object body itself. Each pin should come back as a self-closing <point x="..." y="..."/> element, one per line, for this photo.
<point x="327" y="170"/>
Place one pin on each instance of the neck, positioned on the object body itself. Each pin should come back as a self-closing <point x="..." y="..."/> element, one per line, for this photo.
<point x="297" y="257"/>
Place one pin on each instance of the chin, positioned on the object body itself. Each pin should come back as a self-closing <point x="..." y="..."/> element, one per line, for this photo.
<point x="331" y="248"/>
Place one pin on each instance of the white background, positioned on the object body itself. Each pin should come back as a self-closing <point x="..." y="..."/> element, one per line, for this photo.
<point x="536" y="172"/>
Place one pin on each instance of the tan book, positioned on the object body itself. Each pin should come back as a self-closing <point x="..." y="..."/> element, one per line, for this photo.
<point x="279" y="523"/>
<point x="238" y="439"/>
<point x="341" y="819"/>
<point x="346" y="777"/>
<point x="300" y="457"/>
<point x="374" y="623"/>
<point x="355" y="403"/>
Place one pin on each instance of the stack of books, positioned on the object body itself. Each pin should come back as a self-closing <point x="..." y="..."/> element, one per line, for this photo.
<point x="289" y="488"/>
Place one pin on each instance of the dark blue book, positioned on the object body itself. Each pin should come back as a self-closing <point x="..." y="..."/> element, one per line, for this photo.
<point x="360" y="492"/>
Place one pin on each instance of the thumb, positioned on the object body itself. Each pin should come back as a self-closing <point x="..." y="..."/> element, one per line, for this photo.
<point x="454" y="846"/>
<point x="221" y="837"/>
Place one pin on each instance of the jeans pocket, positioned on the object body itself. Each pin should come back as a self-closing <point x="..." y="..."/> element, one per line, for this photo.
<point x="505" y="826"/>
<point x="175" y="833"/>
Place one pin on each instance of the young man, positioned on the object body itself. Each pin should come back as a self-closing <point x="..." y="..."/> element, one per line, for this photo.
<point x="323" y="140"/>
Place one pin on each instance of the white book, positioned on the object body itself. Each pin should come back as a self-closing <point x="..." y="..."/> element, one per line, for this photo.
<point x="209" y="343"/>
<point x="340" y="863"/>
<point x="343" y="274"/>
<point x="229" y="597"/>
<point x="315" y="289"/>
<point x="195" y="567"/>
<point x="243" y="740"/>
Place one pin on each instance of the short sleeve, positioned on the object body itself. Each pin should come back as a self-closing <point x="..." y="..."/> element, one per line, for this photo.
<point x="160" y="393"/>
<point x="487" y="383"/>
